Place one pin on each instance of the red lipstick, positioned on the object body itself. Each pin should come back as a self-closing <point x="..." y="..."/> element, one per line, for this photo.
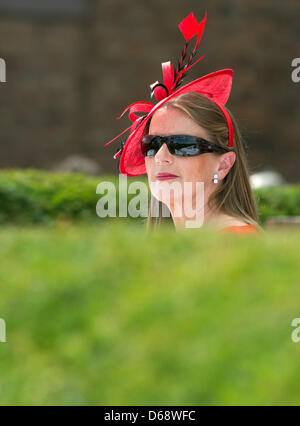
<point x="165" y="176"/>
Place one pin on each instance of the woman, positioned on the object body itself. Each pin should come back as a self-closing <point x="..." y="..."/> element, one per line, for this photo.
<point x="191" y="134"/>
<point x="229" y="204"/>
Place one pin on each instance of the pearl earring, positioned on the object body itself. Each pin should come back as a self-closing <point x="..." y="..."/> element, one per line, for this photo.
<point x="216" y="180"/>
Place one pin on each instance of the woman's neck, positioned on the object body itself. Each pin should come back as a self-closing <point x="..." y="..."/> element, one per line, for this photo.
<point x="211" y="219"/>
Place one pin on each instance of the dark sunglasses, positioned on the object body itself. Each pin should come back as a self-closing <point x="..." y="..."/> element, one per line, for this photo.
<point x="180" y="145"/>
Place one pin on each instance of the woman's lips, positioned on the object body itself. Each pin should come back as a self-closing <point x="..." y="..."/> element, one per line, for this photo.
<point x="165" y="176"/>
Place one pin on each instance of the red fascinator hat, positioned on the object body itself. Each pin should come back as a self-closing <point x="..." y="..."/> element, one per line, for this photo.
<point x="216" y="86"/>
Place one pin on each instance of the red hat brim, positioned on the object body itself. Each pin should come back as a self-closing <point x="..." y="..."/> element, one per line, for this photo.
<point x="216" y="86"/>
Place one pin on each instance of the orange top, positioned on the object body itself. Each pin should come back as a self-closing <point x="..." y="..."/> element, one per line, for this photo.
<point x="243" y="229"/>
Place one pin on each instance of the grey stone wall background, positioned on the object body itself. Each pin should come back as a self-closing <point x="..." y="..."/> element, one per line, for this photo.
<point x="70" y="73"/>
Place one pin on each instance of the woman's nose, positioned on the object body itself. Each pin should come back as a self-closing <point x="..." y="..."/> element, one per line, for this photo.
<point x="163" y="155"/>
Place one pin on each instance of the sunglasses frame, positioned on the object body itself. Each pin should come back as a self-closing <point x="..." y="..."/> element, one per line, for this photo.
<point x="206" y="146"/>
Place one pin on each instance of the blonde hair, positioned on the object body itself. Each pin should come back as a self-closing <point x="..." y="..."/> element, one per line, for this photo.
<point x="234" y="196"/>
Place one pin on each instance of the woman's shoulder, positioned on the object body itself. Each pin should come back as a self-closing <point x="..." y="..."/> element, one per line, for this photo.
<point x="240" y="229"/>
<point x="237" y="226"/>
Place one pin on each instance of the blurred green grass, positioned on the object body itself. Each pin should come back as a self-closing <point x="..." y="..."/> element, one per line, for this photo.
<point x="109" y="315"/>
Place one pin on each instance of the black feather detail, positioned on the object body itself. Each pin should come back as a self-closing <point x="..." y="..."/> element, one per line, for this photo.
<point x="180" y="61"/>
<point x="121" y="147"/>
<point x="143" y="118"/>
<point x="157" y="85"/>
<point x="181" y="67"/>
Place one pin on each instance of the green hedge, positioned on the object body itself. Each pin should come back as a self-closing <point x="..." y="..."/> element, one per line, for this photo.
<point x="35" y="196"/>
<point x="278" y="201"/>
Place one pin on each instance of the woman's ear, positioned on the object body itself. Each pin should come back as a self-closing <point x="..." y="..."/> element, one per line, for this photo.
<point x="227" y="160"/>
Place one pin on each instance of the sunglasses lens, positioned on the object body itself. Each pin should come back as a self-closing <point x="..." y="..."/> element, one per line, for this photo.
<point x="186" y="150"/>
<point x="184" y="146"/>
<point x="150" y="145"/>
